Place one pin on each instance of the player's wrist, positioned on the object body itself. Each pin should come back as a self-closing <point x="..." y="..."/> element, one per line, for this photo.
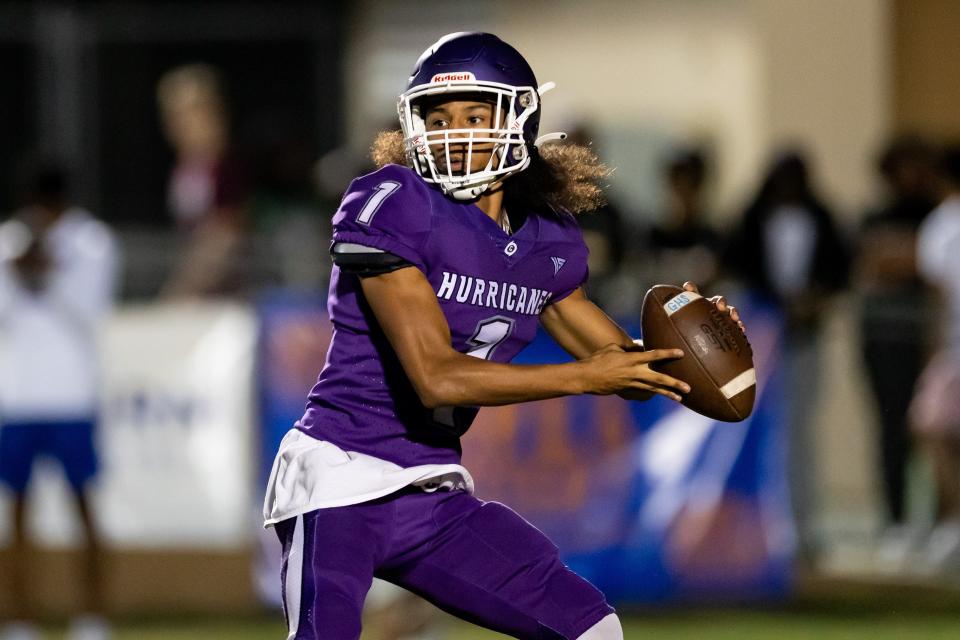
<point x="578" y="382"/>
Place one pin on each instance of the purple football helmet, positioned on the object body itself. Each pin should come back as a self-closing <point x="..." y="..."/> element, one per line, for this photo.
<point x="475" y="63"/>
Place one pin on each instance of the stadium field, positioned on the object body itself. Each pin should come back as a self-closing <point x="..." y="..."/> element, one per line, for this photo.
<point x="700" y="625"/>
<point x="825" y="610"/>
<point x="692" y="625"/>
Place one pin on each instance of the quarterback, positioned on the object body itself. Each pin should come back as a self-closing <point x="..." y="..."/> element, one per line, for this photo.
<point x="446" y="259"/>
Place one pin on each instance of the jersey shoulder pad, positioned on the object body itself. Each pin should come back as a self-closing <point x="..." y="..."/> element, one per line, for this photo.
<point x="390" y="210"/>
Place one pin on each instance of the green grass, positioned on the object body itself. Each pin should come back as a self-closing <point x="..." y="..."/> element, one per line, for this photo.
<point x="827" y="610"/>
<point x="689" y="625"/>
<point x="750" y="625"/>
<point x="742" y="625"/>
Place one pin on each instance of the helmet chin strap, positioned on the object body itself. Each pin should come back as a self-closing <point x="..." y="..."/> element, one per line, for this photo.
<point x="474" y="192"/>
<point x="471" y="193"/>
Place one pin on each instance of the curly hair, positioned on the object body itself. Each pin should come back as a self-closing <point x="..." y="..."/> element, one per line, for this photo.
<point x="560" y="176"/>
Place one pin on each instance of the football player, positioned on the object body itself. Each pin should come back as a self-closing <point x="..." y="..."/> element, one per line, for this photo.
<point x="446" y="259"/>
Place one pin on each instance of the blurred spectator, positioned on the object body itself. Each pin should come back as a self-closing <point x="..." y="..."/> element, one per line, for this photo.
<point x="682" y="243"/>
<point x="208" y="189"/>
<point x="788" y="250"/>
<point x="894" y="307"/>
<point x="604" y="233"/>
<point x="285" y="210"/>
<point x="334" y="171"/>
<point x="935" y="411"/>
<point x="57" y="278"/>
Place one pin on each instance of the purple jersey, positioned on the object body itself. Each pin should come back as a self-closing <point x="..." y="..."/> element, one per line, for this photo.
<point x="491" y="287"/>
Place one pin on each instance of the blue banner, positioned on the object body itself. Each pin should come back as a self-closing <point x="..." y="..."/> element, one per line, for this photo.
<point x="295" y="332"/>
<point x="649" y="501"/>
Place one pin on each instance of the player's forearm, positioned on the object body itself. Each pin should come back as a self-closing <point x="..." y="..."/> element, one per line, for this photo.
<point x="581" y="327"/>
<point x="461" y="380"/>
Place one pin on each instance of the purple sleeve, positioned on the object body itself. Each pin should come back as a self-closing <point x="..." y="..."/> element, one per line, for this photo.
<point x="387" y="210"/>
<point x="574" y="271"/>
<point x="566" y="292"/>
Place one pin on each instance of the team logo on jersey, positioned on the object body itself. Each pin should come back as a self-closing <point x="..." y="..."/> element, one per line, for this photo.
<point x="557" y="264"/>
<point x="453" y="76"/>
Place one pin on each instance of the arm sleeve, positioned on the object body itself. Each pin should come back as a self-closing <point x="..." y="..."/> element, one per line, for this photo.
<point x="84" y="288"/>
<point x="10" y="246"/>
<point x="581" y="281"/>
<point x="365" y="261"/>
<point x="389" y="211"/>
<point x="573" y="272"/>
<point x="936" y="248"/>
<point x="9" y="290"/>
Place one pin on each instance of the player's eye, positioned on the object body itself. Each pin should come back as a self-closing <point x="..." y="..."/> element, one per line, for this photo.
<point x="476" y="120"/>
<point x="437" y="123"/>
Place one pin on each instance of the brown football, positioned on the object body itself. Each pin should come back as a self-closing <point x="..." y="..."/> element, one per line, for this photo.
<point x="718" y="360"/>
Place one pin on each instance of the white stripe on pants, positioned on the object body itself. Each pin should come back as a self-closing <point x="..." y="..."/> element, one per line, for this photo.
<point x="293" y="570"/>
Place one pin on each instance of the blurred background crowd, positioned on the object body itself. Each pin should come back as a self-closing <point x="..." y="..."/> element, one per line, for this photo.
<point x="168" y="172"/>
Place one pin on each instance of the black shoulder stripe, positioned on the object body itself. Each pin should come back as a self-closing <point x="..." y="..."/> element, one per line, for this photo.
<point x="365" y="261"/>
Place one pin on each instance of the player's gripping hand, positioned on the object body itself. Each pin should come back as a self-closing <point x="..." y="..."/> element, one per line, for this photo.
<point x="615" y="370"/>
<point x="721" y="304"/>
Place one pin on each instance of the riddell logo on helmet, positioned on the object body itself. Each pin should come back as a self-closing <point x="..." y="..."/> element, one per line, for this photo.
<point x="453" y="76"/>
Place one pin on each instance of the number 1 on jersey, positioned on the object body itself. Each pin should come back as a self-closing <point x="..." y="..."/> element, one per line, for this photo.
<point x="382" y="191"/>
<point x="488" y="336"/>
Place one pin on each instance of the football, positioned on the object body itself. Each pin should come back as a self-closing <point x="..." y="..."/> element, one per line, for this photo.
<point x="718" y="360"/>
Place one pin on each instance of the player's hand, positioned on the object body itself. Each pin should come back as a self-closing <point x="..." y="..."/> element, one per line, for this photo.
<point x="721" y="303"/>
<point x="614" y="370"/>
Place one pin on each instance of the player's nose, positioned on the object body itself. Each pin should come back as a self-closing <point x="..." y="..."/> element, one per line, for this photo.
<point x="459" y="137"/>
<point x="459" y="126"/>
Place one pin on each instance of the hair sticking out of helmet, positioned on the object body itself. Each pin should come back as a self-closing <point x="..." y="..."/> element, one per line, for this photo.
<point x="479" y="64"/>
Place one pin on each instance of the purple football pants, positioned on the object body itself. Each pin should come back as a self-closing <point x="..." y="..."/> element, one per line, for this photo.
<point x="478" y="560"/>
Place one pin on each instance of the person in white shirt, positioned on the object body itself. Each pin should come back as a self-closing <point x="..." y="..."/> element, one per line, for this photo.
<point x="788" y="250"/>
<point x="58" y="268"/>
<point x="935" y="410"/>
